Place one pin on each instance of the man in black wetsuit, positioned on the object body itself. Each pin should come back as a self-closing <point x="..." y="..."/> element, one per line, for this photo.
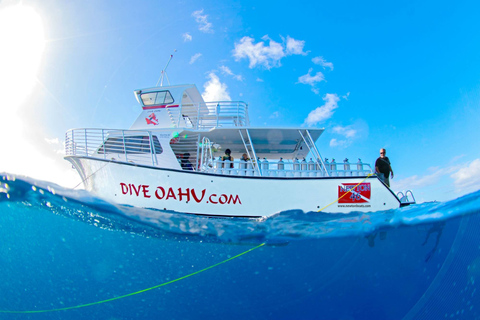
<point x="383" y="167"/>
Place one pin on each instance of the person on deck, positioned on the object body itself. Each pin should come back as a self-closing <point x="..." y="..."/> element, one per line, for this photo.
<point x="185" y="162"/>
<point x="244" y="157"/>
<point x="228" y="156"/>
<point x="383" y="167"/>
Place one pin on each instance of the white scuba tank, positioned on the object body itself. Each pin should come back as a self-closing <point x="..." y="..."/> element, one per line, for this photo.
<point x="333" y="167"/>
<point x="281" y="168"/>
<point x="359" y="167"/>
<point x="296" y="168"/>
<point x="311" y="168"/>
<point x="346" y="167"/>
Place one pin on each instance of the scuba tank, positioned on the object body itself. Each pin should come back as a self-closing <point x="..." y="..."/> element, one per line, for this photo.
<point x="281" y="168"/>
<point x="303" y="165"/>
<point x="333" y="167"/>
<point x="359" y="167"/>
<point x="346" y="167"/>
<point x="281" y="165"/>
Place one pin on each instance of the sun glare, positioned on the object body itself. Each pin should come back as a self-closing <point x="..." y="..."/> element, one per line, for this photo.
<point x="22" y="40"/>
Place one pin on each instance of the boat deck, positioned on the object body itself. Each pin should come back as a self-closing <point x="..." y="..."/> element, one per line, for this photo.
<point x="143" y="148"/>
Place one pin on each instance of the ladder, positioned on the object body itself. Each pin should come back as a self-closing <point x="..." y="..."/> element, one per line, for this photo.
<point x="206" y="157"/>
<point x="173" y="117"/>
<point x="313" y="149"/>
<point x="247" y="142"/>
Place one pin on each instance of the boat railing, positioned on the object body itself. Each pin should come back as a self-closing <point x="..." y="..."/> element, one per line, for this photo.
<point x="212" y="114"/>
<point x="141" y="147"/>
<point x="133" y="146"/>
<point x="407" y="197"/>
<point x="206" y="155"/>
<point x="285" y="169"/>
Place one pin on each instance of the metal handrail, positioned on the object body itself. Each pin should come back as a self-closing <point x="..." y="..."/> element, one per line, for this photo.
<point x="206" y="159"/>
<point x="133" y="146"/>
<point x="211" y="114"/>
<point x="141" y="147"/>
<point x="288" y="168"/>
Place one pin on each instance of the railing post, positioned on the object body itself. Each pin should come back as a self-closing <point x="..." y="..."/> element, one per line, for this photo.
<point x="151" y="145"/>
<point x="198" y="115"/>
<point x="86" y="142"/>
<point x="67" y="139"/>
<point x="124" y="145"/>
<point x="103" y="142"/>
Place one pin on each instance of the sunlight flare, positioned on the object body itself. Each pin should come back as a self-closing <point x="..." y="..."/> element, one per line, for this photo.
<point x="23" y="42"/>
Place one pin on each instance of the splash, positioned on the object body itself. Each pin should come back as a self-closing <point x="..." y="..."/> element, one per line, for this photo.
<point x="292" y="225"/>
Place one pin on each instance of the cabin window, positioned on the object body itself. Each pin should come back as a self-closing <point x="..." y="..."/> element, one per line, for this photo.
<point x="133" y="145"/>
<point x="156" y="98"/>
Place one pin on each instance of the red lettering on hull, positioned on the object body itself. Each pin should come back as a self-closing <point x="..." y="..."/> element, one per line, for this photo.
<point x="183" y="195"/>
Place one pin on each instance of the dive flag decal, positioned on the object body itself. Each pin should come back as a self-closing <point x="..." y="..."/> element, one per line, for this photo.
<point x="358" y="194"/>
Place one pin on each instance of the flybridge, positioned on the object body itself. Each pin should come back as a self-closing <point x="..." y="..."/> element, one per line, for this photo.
<point x="183" y="107"/>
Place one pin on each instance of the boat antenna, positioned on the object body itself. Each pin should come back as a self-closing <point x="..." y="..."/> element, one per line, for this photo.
<point x="164" y="71"/>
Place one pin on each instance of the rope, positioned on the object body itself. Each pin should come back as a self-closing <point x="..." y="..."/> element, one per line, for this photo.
<point x="137" y="292"/>
<point x="86" y="178"/>
<point x="168" y="282"/>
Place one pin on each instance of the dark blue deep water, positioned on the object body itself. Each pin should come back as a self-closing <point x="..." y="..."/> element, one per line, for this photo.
<point x="61" y="248"/>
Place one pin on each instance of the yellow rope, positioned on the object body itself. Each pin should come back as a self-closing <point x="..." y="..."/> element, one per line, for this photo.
<point x="168" y="282"/>
<point x="138" y="292"/>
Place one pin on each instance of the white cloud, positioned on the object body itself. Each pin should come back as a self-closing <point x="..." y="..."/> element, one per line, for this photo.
<point x="436" y="185"/>
<point x="311" y="80"/>
<point x="195" y="57"/>
<point x="346" y="96"/>
<point x="259" y="80"/>
<point x="57" y="145"/>
<point x="187" y="37"/>
<point x="54" y="141"/>
<point x="202" y="20"/>
<point x="295" y="46"/>
<point x="226" y="70"/>
<point x="358" y="130"/>
<point x="324" y="112"/>
<point x="427" y="180"/>
<point x="347" y="132"/>
<point x="275" y="115"/>
<point x="468" y="177"/>
<point x="322" y="62"/>
<point x="215" y="90"/>
<point x="339" y="143"/>
<point x="267" y="56"/>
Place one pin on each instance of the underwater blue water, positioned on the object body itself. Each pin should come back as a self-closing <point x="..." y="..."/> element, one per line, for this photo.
<point x="62" y="248"/>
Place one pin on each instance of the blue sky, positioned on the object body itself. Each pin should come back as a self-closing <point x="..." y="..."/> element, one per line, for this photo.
<point x="403" y="76"/>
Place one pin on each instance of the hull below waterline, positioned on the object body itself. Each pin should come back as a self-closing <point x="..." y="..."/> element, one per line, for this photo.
<point x="232" y="196"/>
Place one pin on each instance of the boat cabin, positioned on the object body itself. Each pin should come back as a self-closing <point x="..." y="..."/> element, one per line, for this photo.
<point x="175" y="123"/>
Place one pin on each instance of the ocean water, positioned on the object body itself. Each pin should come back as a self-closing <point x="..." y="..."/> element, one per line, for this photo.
<point x="65" y="254"/>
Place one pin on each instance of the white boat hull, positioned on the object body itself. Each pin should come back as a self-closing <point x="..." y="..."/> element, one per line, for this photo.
<point x="232" y="196"/>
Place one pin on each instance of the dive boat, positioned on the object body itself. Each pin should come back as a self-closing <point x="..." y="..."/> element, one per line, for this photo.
<point x="171" y="159"/>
